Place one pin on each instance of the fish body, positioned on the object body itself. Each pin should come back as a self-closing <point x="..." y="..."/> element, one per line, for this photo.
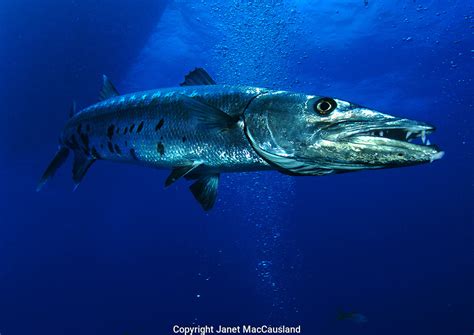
<point x="158" y="129"/>
<point x="201" y="129"/>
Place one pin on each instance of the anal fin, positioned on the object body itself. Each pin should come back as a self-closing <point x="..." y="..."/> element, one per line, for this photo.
<point x="205" y="190"/>
<point x="180" y="171"/>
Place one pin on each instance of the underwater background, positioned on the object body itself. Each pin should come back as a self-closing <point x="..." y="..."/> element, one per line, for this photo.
<point x="121" y="255"/>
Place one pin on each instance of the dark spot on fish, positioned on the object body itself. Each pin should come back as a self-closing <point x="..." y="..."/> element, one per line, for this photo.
<point x="140" y="127"/>
<point x="161" y="138"/>
<point x="184" y="139"/>
<point x="110" y="131"/>
<point x="111" y="147"/>
<point x="125" y="130"/>
<point x="118" y="130"/>
<point x="88" y="128"/>
<point x="133" y="154"/>
<point x="79" y="128"/>
<point x="160" y="148"/>
<point x="159" y="125"/>
<point x="131" y="128"/>
<point x="95" y="153"/>
<point x="117" y="149"/>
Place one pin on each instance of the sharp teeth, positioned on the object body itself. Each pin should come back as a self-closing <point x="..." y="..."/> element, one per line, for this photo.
<point x="423" y="136"/>
<point x="437" y="156"/>
<point x="428" y="142"/>
<point x="381" y="133"/>
<point x="408" y="134"/>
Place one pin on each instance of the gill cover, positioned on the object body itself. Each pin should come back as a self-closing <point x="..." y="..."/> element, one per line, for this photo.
<point x="279" y="128"/>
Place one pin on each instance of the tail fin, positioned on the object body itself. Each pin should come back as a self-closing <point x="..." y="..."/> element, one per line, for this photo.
<point x="55" y="164"/>
<point x="81" y="165"/>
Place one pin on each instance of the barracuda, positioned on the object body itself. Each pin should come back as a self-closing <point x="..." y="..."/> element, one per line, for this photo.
<point x="201" y="129"/>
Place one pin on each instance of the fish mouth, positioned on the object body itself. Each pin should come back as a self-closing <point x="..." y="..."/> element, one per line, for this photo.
<point x="403" y="134"/>
<point x="404" y="138"/>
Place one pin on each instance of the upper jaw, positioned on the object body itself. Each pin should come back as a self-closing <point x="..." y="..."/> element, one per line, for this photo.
<point x="402" y="130"/>
<point x="396" y="129"/>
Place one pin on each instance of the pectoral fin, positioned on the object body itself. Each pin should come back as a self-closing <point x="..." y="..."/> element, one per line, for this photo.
<point x="208" y="115"/>
<point x="205" y="190"/>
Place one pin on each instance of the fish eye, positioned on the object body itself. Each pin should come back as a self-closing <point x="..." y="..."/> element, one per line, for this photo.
<point x="324" y="106"/>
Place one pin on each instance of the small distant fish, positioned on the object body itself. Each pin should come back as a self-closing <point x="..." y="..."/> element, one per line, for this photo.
<point x="351" y="316"/>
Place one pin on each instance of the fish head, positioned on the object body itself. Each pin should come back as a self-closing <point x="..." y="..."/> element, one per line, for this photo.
<point x="314" y="135"/>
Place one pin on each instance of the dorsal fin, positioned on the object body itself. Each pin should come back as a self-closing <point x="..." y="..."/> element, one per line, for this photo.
<point x="73" y="109"/>
<point x="196" y="77"/>
<point x="108" y="89"/>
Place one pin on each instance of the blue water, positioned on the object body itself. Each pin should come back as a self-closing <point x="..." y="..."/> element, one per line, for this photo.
<point x="122" y="255"/>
